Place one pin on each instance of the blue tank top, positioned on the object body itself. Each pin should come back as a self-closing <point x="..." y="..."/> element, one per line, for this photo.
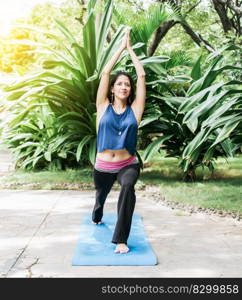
<point x="117" y="131"/>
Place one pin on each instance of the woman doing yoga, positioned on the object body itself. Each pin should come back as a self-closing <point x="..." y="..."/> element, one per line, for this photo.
<point x="119" y="114"/>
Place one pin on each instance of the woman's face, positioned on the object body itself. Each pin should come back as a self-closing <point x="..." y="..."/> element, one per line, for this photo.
<point x="122" y="87"/>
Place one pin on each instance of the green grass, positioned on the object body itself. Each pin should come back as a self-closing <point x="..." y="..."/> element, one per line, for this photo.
<point x="222" y="195"/>
<point x="51" y="177"/>
<point x="222" y="191"/>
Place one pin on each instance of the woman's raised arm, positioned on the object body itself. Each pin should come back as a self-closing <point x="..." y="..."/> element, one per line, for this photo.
<point x="104" y="82"/>
<point x="139" y="102"/>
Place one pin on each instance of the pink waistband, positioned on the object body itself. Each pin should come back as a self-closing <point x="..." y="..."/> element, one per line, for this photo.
<point x="113" y="165"/>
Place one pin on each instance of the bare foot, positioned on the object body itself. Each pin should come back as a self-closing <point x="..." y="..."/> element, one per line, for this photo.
<point x="97" y="223"/>
<point x="121" y="248"/>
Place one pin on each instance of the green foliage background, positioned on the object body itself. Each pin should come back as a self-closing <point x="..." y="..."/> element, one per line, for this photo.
<point x="51" y="108"/>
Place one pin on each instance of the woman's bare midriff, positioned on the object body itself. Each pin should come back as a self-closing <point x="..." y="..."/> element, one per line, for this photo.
<point x="114" y="155"/>
<point x="110" y="155"/>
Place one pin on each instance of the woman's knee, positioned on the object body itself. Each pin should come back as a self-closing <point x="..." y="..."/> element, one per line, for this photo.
<point x="129" y="181"/>
<point x="129" y="178"/>
<point x="127" y="184"/>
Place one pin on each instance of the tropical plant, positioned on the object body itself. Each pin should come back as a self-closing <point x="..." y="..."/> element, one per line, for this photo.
<point x="44" y="143"/>
<point x="201" y="125"/>
<point x="69" y="100"/>
<point x="68" y="95"/>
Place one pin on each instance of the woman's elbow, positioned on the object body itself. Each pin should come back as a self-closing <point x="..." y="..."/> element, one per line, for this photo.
<point x="105" y="73"/>
<point x="141" y="75"/>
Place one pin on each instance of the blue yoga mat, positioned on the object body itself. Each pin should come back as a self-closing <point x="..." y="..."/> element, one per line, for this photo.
<point x="94" y="247"/>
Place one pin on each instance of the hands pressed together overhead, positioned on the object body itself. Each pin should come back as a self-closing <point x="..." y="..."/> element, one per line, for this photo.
<point x="126" y="43"/>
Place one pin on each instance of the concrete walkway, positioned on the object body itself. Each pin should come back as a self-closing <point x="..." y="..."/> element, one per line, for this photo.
<point x="39" y="231"/>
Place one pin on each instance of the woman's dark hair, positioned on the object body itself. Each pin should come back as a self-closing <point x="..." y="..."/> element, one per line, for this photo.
<point x="114" y="79"/>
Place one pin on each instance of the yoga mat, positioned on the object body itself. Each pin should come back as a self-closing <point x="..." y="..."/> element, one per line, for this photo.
<point x="94" y="247"/>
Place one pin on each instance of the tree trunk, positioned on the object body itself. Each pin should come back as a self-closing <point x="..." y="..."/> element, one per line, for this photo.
<point x="165" y="27"/>
<point x="229" y="12"/>
<point x="159" y="34"/>
<point x="189" y="175"/>
<point x="197" y="38"/>
<point x="221" y="11"/>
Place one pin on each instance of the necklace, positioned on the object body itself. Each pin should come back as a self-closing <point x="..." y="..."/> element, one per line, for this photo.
<point x="118" y="112"/>
<point x="119" y="132"/>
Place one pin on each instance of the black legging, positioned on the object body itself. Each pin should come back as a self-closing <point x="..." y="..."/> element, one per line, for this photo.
<point x="103" y="181"/>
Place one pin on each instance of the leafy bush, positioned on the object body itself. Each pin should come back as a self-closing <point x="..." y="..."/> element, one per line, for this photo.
<point x="60" y="110"/>
<point x="199" y="126"/>
<point x="53" y="116"/>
